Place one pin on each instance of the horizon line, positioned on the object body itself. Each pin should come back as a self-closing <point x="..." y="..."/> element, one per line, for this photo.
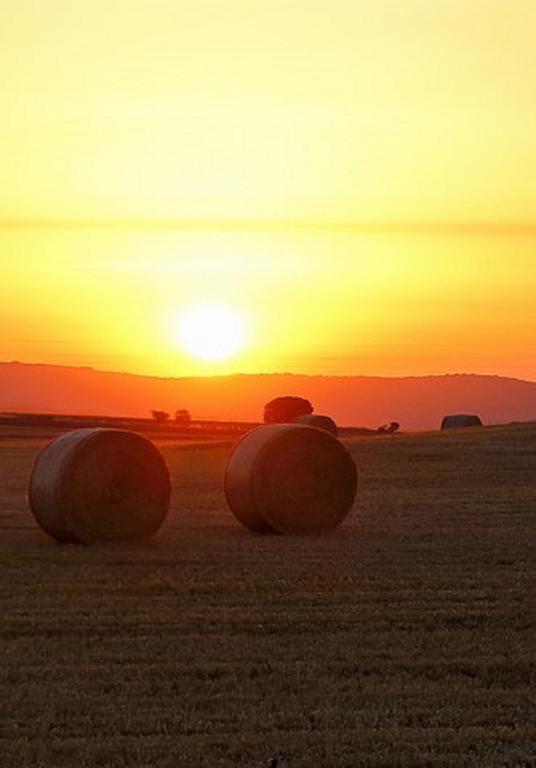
<point x="271" y="373"/>
<point x="396" y="226"/>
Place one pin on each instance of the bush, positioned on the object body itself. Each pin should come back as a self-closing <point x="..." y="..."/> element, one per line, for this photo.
<point x="394" y="426"/>
<point x="160" y="416"/>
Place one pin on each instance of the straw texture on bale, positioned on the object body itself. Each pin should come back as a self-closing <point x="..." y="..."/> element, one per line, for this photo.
<point x="461" y="420"/>
<point x="290" y="478"/>
<point x="320" y="422"/>
<point x="99" y="484"/>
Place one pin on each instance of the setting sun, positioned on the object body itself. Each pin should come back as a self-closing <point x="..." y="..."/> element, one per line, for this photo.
<point x="212" y="332"/>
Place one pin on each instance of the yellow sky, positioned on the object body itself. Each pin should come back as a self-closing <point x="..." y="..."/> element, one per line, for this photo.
<point x="379" y="109"/>
<point x="330" y="302"/>
<point x="297" y="113"/>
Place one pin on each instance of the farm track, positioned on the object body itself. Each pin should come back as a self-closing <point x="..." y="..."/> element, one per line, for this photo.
<point x="403" y="639"/>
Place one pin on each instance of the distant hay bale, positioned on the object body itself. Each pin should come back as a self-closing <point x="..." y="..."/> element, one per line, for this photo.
<point x="99" y="484"/>
<point x="320" y="422"/>
<point x="290" y="478"/>
<point x="459" y="420"/>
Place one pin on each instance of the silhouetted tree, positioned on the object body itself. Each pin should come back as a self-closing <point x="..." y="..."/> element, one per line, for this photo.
<point x="182" y="417"/>
<point x="160" y="416"/>
<point x="282" y="410"/>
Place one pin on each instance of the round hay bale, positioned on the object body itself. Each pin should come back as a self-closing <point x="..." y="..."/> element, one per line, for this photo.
<point x="320" y="422"/>
<point x="99" y="484"/>
<point x="289" y="478"/>
<point x="460" y="420"/>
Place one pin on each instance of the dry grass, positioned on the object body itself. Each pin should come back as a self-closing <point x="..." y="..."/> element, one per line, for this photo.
<point x="400" y="640"/>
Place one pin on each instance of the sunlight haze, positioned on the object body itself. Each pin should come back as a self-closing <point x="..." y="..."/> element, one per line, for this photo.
<point x="356" y="178"/>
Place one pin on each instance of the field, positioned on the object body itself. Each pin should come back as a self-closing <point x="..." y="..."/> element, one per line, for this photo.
<point x="400" y="640"/>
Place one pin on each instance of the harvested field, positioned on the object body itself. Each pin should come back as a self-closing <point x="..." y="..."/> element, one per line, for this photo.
<point x="401" y="639"/>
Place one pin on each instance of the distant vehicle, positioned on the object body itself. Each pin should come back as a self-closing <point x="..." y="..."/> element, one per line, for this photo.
<point x="459" y="420"/>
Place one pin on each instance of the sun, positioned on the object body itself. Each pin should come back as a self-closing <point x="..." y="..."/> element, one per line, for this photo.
<point x="212" y="331"/>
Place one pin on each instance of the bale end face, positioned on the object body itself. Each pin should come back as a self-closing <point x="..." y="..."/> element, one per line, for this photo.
<point x="290" y="478"/>
<point x="100" y="484"/>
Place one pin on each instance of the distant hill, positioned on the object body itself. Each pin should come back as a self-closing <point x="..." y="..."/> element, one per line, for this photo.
<point x="416" y="402"/>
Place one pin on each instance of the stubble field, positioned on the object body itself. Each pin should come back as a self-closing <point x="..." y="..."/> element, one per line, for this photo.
<point x="402" y="639"/>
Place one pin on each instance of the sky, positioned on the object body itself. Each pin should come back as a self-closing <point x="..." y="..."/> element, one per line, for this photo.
<point x="356" y="180"/>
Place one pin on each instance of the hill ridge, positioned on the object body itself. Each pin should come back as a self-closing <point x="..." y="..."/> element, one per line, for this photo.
<point x="418" y="402"/>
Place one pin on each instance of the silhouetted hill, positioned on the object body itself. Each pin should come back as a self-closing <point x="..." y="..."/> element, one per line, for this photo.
<point x="416" y="402"/>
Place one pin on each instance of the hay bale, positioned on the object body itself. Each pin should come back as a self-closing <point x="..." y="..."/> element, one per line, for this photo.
<point x="319" y="422"/>
<point x="99" y="484"/>
<point x="290" y="478"/>
<point x="460" y="420"/>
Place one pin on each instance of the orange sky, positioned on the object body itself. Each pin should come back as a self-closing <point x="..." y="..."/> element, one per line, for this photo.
<point x="261" y="134"/>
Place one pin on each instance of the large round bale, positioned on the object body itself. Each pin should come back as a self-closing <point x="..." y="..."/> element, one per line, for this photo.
<point x="319" y="422"/>
<point x="461" y="420"/>
<point x="290" y="478"/>
<point x="99" y="484"/>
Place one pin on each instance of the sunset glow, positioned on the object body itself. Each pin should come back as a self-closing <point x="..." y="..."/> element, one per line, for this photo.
<point x="268" y="268"/>
<point x="355" y="178"/>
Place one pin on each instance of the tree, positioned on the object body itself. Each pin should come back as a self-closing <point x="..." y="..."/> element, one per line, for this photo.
<point x="283" y="410"/>
<point x="160" y="416"/>
<point x="182" y="417"/>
